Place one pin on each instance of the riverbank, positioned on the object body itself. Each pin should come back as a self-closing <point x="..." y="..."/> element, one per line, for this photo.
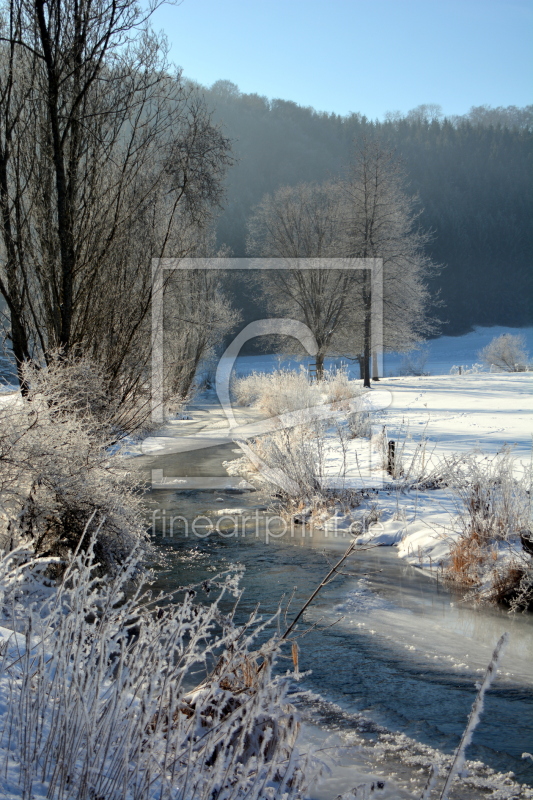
<point x="400" y="662"/>
<point x="459" y="468"/>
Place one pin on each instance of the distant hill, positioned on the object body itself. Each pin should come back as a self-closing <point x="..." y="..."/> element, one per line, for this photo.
<point x="473" y="175"/>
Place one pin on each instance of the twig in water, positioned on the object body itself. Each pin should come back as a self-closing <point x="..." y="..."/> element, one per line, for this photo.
<point x="431" y="781"/>
<point x="474" y="717"/>
<point x="350" y="549"/>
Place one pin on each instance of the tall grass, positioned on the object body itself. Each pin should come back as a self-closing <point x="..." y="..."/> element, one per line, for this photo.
<point x="98" y="700"/>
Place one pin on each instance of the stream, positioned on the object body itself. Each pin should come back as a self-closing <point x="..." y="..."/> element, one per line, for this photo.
<point x="391" y="664"/>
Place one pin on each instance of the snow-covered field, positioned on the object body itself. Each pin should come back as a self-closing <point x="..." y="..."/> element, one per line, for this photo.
<point x="444" y="417"/>
<point x="449" y="415"/>
<point x="442" y="354"/>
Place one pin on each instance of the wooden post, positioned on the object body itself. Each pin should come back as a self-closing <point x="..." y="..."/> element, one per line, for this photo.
<point x="391" y="456"/>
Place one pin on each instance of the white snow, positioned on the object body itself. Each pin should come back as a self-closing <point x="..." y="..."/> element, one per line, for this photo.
<point x="442" y="415"/>
<point x="456" y="414"/>
<point x="443" y="353"/>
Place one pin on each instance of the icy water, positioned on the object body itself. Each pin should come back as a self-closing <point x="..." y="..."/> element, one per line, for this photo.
<point x="395" y="656"/>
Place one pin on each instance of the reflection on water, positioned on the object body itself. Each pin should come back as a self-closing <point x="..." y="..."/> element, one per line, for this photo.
<point x="390" y="643"/>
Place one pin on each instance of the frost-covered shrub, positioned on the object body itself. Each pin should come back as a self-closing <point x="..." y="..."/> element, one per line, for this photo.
<point x="495" y="502"/>
<point x="475" y="369"/>
<point x="291" y="460"/>
<point x="56" y="474"/>
<point x="337" y="386"/>
<point x="414" y="362"/>
<point x="276" y="392"/>
<point x="286" y="390"/>
<point x="506" y="352"/>
<point x="360" y="424"/>
<point x="80" y="387"/>
<point x="491" y="554"/>
<point x="112" y="693"/>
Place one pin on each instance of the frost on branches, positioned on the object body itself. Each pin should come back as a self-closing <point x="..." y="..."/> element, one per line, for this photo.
<point x="105" y="690"/>
<point x="492" y="554"/>
<point x="506" y="353"/>
<point x="56" y="472"/>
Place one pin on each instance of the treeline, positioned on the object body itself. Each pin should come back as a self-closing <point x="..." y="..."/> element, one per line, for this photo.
<point x="472" y="175"/>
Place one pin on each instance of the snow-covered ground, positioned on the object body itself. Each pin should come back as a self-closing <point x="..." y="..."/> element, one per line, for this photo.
<point x="439" y="416"/>
<point x="433" y="418"/>
<point x="442" y="354"/>
<point x="444" y="417"/>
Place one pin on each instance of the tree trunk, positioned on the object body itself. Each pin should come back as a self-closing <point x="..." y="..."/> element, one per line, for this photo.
<point x="375" y="370"/>
<point x="65" y="185"/>
<point x="367" y="305"/>
<point x="320" y="366"/>
<point x="12" y="292"/>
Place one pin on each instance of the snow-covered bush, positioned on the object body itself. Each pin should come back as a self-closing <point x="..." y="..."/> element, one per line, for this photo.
<point x="81" y="385"/>
<point x="360" y="424"/>
<point x="461" y="369"/>
<point x="112" y="693"/>
<point x="491" y="554"/>
<point x="414" y="362"/>
<point x="506" y="352"/>
<point x="276" y="392"/>
<point x="291" y="460"/>
<point x="337" y="386"/>
<point x="286" y="390"/>
<point x="56" y="474"/>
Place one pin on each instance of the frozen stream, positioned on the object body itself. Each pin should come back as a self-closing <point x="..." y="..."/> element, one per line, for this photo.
<point x="401" y="660"/>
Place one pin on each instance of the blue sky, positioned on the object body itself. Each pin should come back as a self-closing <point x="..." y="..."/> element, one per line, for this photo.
<point x="359" y="55"/>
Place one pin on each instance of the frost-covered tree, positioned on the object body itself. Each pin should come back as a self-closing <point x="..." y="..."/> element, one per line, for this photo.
<point x="367" y="215"/>
<point x="506" y="352"/>
<point x="303" y="222"/>
<point x="380" y="220"/>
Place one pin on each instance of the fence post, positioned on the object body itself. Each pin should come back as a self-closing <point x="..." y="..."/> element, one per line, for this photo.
<point x="391" y="457"/>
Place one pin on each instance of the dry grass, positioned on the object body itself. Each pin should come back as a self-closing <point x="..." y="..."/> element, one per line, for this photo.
<point x="494" y="512"/>
<point x="468" y="560"/>
<point x="287" y="390"/>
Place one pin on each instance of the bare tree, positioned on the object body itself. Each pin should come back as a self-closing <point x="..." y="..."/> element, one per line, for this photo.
<point x="381" y="221"/>
<point x="303" y="222"/>
<point x="369" y="216"/>
<point x="197" y="317"/>
<point x="106" y="160"/>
